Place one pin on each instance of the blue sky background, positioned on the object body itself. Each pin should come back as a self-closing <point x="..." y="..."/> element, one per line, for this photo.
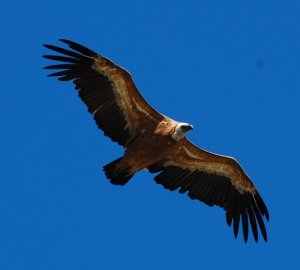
<point x="230" y="68"/>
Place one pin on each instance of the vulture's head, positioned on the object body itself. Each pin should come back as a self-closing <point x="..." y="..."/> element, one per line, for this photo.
<point x="181" y="131"/>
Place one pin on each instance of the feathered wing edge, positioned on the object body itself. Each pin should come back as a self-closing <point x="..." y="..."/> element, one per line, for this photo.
<point x="107" y="89"/>
<point x="215" y="188"/>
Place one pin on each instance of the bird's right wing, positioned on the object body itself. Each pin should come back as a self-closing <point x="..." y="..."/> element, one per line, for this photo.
<point x="107" y="89"/>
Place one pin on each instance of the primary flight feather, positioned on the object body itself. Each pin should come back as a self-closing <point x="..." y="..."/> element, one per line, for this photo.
<point x="156" y="142"/>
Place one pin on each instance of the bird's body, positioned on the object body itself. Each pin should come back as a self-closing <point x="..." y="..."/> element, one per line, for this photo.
<point x="161" y="145"/>
<point x="156" y="142"/>
<point x="140" y="155"/>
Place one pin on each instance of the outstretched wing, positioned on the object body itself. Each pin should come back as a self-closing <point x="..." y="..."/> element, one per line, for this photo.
<point x="107" y="89"/>
<point x="215" y="180"/>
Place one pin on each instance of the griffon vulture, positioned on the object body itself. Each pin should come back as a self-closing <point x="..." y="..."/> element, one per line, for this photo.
<point x="156" y="142"/>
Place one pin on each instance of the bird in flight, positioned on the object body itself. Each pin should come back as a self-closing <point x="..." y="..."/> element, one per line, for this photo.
<point x="156" y="142"/>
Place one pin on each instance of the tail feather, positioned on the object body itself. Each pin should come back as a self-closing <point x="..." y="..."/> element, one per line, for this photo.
<point x="117" y="176"/>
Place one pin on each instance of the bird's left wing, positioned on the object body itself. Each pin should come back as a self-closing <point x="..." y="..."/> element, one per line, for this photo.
<point x="214" y="180"/>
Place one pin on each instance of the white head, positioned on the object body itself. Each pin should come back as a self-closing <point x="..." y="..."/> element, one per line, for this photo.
<point x="181" y="130"/>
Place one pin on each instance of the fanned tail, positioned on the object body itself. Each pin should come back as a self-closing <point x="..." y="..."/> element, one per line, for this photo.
<point x="117" y="175"/>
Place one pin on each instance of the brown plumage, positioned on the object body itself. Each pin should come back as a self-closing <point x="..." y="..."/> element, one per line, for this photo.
<point x="156" y="142"/>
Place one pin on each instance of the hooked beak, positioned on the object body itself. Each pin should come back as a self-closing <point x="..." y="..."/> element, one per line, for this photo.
<point x="190" y="127"/>
<point x="187" y="128"/>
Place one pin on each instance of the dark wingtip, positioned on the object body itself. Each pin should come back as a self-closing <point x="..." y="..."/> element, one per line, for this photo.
<point x="78" y="47"/>
<point x="69" y="42"/>
<point x="47" y="46"/>
<point x="265" y="238"/>
<point x="49" y="56"/>
<point x="65" y="40"/>
<point x="262" y="206"/>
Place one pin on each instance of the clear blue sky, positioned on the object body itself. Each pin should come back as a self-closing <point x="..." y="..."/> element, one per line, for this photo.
<point x="230" y="68"/>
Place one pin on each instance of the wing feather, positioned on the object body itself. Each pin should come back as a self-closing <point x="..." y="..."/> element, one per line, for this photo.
<point x="244" y="219"/>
